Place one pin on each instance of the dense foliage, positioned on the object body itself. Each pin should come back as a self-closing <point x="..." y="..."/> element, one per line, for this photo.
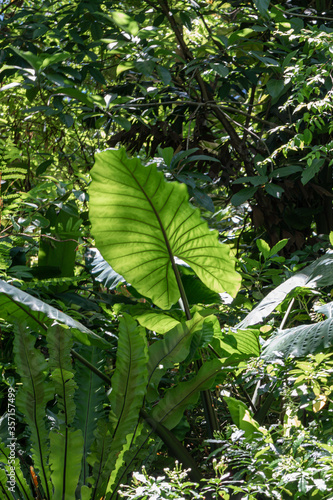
<point x="165" y="230"/>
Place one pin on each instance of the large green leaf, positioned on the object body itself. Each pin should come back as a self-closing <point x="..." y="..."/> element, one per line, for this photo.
<point x="301" y="340"/>
<point x="242" y="417"/>
<point x="17" y="306"/>
<point x="141" y="223"/>
<point x="317" y="274"/>
<point x="241" y="342"/>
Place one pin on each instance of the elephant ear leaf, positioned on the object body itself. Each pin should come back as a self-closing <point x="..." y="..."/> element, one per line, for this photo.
<point x="141" y="223"/>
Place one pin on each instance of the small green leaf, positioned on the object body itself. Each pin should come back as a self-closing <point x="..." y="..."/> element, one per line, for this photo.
<point x="274" y="190"/>
<point x="145" y="67"/>
<point x="124" y="66"/>
<point x="307" y="136"/>
<point x="243" y="195"/>
<point x="331" y="237"/>
<point x="255" y="180"/>
<point x="96" y="30"/>
<point x="164" y="74"/>
<point x="262" y="6"/>
<point x="167" y="154"/>
<point x="276" y="248"/>
<point x="89" y="100"/>
<point x="66" y="119"/>
<point x="220" y="69"/>
<point x="123" y="122"/>
<point x="204" y="200"/>
<point x="285" y="171"/>
<point x="275" y="88"/>
<point x="125" y="22"/>
<point x="263" y="247"/>
<point x="312" y="170"/>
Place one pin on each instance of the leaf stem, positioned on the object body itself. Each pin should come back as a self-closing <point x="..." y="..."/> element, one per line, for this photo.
<point x="181" y="288"/>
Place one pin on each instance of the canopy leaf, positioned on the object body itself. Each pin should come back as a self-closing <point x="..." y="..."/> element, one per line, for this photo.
<point x="141" y="223"/>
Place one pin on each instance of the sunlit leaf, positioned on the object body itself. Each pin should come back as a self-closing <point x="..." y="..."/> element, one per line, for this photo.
<point x="141" y="223"/>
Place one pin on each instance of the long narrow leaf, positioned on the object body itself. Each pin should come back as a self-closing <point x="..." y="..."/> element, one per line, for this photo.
<point x="141" y="223"/>
<point x="129" y="384"/>
<point x="66" y="443"/>
<point x="18" y="306"/>
<point x="89" y="399"/>
<point x="32" y="399"/>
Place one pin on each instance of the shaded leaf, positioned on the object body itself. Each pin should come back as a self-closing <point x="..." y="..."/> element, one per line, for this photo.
<point x="18" y="306"/>
<point x="101" y="270"/>
<point x="317" y="274"/>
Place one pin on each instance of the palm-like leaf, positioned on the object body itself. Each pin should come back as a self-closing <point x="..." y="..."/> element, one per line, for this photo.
<point x="141" y="223"/>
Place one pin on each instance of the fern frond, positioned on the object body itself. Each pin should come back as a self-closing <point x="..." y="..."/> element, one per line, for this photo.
<point x="21" y="485"/>
<point x="129" y="384"/>
<point x="66" y="443"/>
<point x="31" y="400"/>
<point x="89" y="400"/>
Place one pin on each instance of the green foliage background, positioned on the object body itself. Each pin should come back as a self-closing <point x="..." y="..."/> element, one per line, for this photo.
<point x="113" y="115"/>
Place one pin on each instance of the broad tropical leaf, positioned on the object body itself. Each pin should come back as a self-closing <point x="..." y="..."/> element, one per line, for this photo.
<point x="141" y="223"/>
<point x="32" y="399"/>
<point x="17" y="306"/>
<point x="317" y="274"/>
<point x="300" y="340"/>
